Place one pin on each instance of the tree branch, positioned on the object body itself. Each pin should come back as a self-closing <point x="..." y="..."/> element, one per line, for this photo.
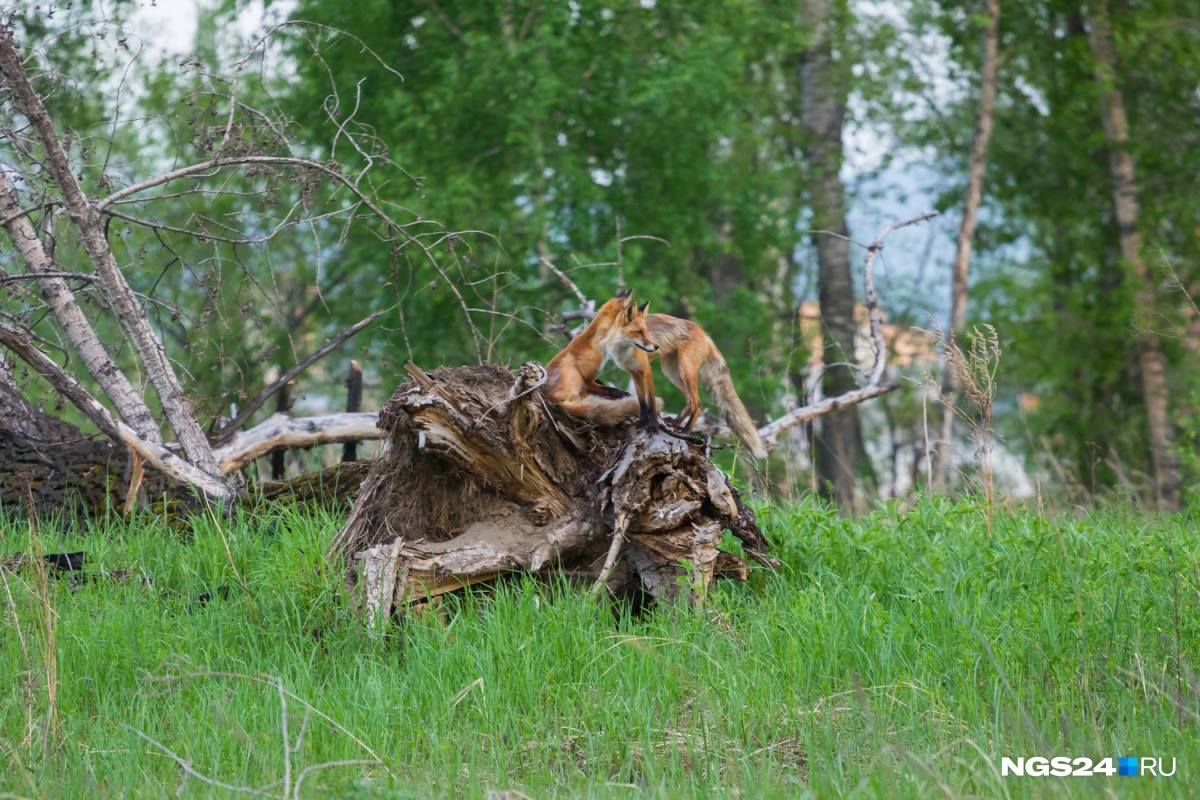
<point x="324" y="169"/>
<point x="155" y="454"/>
<point x="53" y="284"/>
<point x="88" y="221"/>
<point x="281" y="432"/>
<point x="227" y="432"/>
<point x="874" y="388"/>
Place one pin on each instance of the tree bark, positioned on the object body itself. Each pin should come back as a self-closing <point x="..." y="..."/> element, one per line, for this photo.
<point x="281" y="432"/>
<point x="61" y="300"/>
<point x="17" y="416"/>
<point x="152" y="453"/>
<point x="823" y="112"/>
<point x="282" y="406"/>
<point x="1126" y="204"/>
<point x="482" y="476"/>
<point x="87" y="219"/>
<point x="966" y="232"/>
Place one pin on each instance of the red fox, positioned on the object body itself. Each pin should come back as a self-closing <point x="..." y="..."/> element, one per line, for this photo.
<point x="629" y="336"/>
<point x="617" y="332"/>
<point x="689" y="357"/>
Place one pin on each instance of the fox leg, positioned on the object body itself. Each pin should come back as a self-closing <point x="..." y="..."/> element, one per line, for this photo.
<point x="688" y="372"/>
<point x="670" y="368"/>
<point x="643" y="381"/>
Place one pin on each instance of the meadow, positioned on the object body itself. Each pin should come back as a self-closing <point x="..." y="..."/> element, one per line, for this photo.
<point x="900" y="654"/>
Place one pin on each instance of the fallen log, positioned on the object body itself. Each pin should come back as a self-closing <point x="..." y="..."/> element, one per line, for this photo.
<point x="481" y="476"/>
<point x="87" y="476"/>
<point x="281" y="432"/>
<point x="47" y="464"/>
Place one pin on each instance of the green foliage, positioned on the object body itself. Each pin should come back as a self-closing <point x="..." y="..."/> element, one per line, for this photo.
<point x="562" y="130"/>
<point x="899" y="655"/>
<point x="1052" y="280"/>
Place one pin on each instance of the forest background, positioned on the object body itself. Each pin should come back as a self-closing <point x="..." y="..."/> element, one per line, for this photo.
<point x="709" y="155"/>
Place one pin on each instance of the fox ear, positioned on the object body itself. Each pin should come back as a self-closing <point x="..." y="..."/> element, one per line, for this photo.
<point x="627" y="300"/>
<point x="624" y="293"/>
<point x="642" y="308"/>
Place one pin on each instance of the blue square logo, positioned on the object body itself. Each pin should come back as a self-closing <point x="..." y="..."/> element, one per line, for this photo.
<point x="1129" y="767"/>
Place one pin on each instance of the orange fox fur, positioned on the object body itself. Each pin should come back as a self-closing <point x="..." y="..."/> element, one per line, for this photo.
<point x="617" y="332"/>
<point x="689" y="357"/>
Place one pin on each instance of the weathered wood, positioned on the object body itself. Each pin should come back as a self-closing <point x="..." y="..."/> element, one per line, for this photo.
<point x="482" y="477"/>
<point x="227" y="432"/>
<point x="875" y="387"/>
<point x="281" y="432"/>
<point x="58" y="295"/>
<point x="155" y="454"/>
<point x="283" y="405"/>
<point x="334" y="486"/>
<point x="354" y="392"/>
<point x="89" y="223"/>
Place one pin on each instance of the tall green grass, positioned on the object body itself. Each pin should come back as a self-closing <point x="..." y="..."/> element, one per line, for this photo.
<point x="897" y="655"/>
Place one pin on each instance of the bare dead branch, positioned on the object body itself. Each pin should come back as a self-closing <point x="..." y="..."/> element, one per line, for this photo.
<point x="324" y="169"/>
<point x="610" y="560"/>
<point x="874" y="388"/>
<point x="270" y="681"/>
<point x="350" y="762"/>
<point x="226" y="432"/>
<point x="87" y="220"/>
<point x="769" y="431"/>
<point x="186" y="766"/>
<point x="44" y="275"/>
<point x="57" y="293"/>
<point x="872" y="299"/>
<point x="156" y="454"/>
<point x="281" y="432"/>
<point x="570" y="284"/>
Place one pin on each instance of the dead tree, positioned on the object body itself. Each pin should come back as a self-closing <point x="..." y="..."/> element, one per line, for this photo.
<point x="49" y="191"/>
<point x="48" y="463"/>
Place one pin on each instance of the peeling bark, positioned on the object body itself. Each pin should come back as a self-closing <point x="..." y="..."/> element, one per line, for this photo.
<point x="61" y="300"/>
<point x="281" y="432"/>
<point x="155" y="454"/>
<point x="87" y="219"/>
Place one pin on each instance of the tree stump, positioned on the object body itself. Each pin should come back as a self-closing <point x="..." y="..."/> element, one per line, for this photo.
<point x="481" y="476"/>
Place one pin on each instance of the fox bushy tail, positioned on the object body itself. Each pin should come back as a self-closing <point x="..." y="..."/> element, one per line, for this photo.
<point x="714" y="374"/>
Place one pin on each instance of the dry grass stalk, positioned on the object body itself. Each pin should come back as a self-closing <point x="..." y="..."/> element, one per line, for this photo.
<point x="974" y="367"/>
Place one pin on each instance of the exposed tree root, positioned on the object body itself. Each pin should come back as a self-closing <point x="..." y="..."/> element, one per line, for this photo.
<point x="481" y="476"/>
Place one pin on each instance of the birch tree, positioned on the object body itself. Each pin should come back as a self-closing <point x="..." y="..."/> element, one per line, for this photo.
<point x="966" y="233"/>
<point x="1126" y="206"/>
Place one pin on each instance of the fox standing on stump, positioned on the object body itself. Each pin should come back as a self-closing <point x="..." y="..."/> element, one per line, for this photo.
<point x="624" y="332"/>
<point x="690" y="358"/>
<point x="618" y="332"/>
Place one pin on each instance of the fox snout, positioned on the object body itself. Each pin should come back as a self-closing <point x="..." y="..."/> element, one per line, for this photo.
<point x="649" y="348"/>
